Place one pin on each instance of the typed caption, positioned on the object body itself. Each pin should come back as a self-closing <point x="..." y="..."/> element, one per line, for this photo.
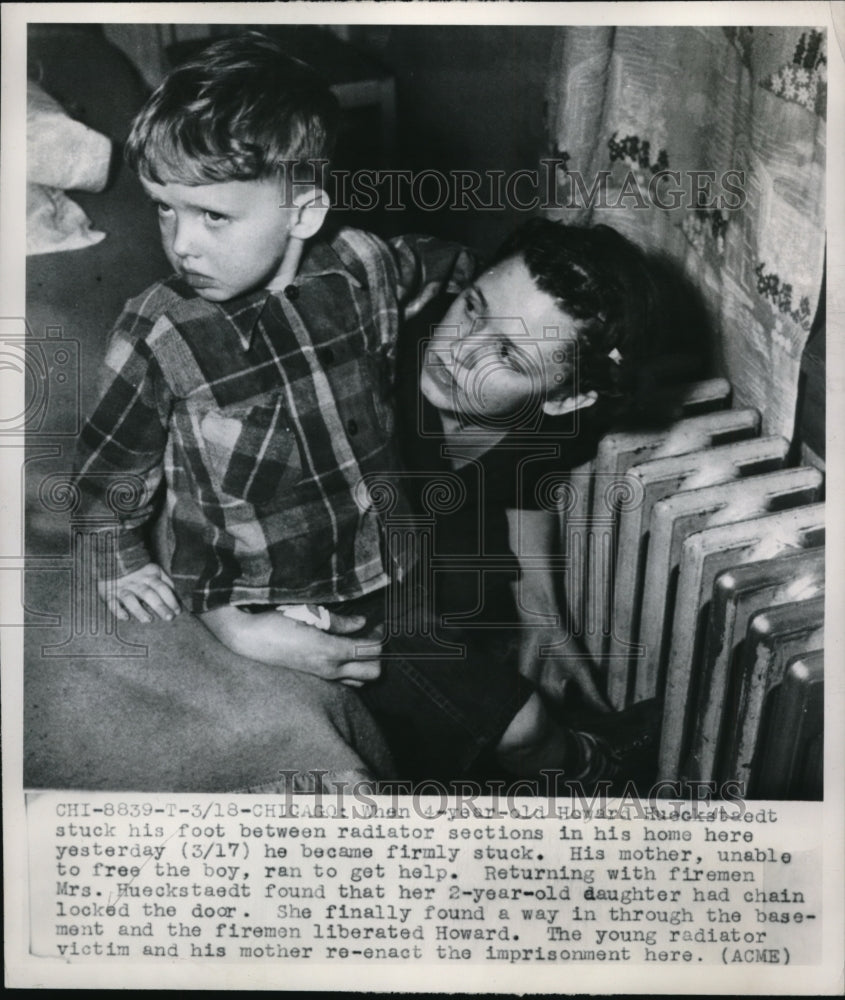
<point x="133" y="878"/>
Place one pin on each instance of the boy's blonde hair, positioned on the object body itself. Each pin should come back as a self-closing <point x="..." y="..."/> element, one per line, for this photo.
<point x="240" y="110"/>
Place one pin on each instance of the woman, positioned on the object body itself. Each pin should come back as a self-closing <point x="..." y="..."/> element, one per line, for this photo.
<point x="521" y="378"/>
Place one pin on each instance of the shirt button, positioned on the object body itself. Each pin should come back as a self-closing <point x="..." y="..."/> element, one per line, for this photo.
<point x="352" y="427"/>
<point x="291" y="293"/>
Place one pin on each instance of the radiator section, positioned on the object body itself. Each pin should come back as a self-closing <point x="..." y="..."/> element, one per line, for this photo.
<point x="695" y="575"/>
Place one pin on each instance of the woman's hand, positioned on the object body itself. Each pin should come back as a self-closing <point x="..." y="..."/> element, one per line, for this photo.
<point x="551" y="658"/>
<point x="271" y="637"/>
<point x="549" y="655"/>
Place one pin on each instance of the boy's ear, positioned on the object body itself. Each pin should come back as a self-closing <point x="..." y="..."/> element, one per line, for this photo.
<point x="557" y="407"/>
<point x="310" y="209"/>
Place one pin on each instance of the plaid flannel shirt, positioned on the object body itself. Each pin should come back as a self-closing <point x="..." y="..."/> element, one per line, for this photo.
<point x="255" y="421"/>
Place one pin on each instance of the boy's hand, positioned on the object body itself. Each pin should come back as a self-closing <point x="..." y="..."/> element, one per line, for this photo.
<point x="566" y="663"/>
<point x="145" y="593"/>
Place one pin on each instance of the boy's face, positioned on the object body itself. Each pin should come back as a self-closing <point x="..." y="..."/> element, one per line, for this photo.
<point x="225" y="238"/>
<point x="502" y="350"/>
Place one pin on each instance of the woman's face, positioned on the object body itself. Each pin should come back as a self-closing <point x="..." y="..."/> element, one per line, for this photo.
<point x="502" y="351"/>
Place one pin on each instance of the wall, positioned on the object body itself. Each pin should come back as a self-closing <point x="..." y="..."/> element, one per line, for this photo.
<point x="468" y="98"/>
<point x="674" y="106"/>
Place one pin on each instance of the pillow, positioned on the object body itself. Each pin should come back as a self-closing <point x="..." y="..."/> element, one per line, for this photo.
<point x="54" y="222"/>
<point x="61" y="154"/>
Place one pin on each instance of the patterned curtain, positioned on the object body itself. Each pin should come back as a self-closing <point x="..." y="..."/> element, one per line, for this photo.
<point x="707" y="145"/>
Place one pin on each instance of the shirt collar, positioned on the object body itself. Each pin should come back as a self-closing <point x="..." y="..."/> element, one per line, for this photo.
<point x="244" y="311"/>
<point x="321" y="259"/>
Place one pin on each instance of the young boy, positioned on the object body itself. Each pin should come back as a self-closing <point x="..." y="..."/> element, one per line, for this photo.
<point x="252" y="388"/>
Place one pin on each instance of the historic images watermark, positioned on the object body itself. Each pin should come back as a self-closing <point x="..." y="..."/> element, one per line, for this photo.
<point x="46" y="365"/>
<point x="551" y="187"/>
<point x="551" y="795"/>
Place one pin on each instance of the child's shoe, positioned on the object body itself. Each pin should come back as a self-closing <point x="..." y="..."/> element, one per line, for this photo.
<point x="618" y="754"/>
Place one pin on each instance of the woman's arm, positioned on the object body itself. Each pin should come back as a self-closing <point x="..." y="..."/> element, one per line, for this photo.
<point x="550" y="655"/>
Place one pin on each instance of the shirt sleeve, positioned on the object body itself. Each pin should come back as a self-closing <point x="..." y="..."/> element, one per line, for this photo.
<point x="120" y="452"/>
<point x="427" y="268"/>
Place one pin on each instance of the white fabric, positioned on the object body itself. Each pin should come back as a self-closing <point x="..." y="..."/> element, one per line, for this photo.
<point x="310" y="614"/>
<point x="61" y="154"/>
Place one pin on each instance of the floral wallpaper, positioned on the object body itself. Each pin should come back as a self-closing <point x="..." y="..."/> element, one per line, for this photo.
<point x="707" y="145"/>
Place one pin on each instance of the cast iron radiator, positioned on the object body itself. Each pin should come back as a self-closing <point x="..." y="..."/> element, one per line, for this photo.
<point x="694" y="567"/>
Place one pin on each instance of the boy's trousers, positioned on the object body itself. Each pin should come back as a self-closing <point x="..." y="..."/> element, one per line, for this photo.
<point x="447" y="691"/>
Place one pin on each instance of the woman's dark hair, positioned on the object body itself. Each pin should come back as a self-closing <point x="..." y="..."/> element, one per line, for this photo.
<point x="602" y="280"/>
